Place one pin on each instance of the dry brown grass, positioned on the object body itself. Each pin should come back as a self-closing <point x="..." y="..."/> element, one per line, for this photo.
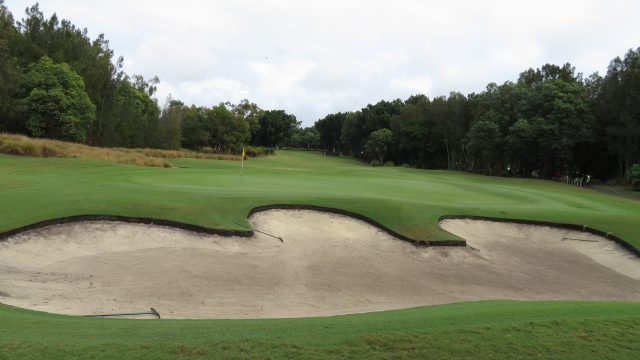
<point x="25" y="146"/>
<point x="173" y="154"/>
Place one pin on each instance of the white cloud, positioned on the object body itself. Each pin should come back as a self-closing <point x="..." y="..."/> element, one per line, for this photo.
<point x="316" y="57"/>
<point x="280" y="79"/>
<point x="414" y="84"/>
<point x="216" y="90"/>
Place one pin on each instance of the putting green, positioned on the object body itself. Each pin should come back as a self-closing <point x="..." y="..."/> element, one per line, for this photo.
<point x="210" y="193"/>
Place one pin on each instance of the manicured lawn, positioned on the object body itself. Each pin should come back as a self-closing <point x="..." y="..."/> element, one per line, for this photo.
<point x="210" y="193"/>
<point x="480" y="330"/>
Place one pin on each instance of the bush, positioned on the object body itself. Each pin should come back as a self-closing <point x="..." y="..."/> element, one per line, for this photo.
<point x="375" y="163"/>
<point x="405" y="166"/>
<point x="254" y="151"/>
<point x="634" y="176"/>
<point x="389" y="163"/>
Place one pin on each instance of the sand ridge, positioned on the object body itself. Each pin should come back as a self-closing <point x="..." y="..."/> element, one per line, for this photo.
<point x="328" y="264"/>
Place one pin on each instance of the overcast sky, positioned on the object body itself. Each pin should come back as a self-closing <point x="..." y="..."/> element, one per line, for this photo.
<point x="311" y="58"/>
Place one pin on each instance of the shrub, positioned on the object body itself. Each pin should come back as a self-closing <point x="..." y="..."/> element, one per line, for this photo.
<point x="254" y="151"/>
<point x="405" y="165"/>
<point x="634" y="176"/>
<point x="389" y="163"/>
<point x="375" y="163"/>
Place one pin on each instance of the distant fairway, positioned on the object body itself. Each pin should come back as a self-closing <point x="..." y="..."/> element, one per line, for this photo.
<point x="209" y="193"/>
<point x="409" y="201"/>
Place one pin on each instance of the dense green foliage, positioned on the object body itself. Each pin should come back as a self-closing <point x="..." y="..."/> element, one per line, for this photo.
<point x="634" y="176"/>
<point x="209" y="193"/>
<point x="478" y="330"/>
<point x="551" y="122"/>
<point x="276" y="127"/>
<point x="378" y="143"/>
<point x="132" y="119"/>
<point x="79" y="92"/>
<point x="304" y="138"/>
<point x="55" y="102"/>
<point x="119" y="110"/>
<point x="215" y="128"/>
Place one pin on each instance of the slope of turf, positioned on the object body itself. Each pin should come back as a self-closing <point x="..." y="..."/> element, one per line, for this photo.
<point x="210" y="193"/>
<point x="496" y="329"/>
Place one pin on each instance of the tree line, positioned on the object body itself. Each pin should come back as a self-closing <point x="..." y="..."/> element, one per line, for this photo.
<point x="56" y="82"/>
<point x="551" y="122"/>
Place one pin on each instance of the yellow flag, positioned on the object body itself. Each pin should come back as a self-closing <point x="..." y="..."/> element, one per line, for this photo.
<point x="243" y="152"/>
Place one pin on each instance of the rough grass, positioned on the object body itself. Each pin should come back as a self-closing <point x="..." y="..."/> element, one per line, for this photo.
<point x="25" y="146"/>
<point x="181" y="154"/>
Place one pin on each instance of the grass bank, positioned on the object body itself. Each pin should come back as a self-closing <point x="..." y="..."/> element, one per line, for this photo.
<point x="211" y="193"/>
<point x="480" y="330"/>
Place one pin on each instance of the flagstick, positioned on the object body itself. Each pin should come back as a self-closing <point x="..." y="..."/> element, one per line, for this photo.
<point x="242" y="168"/>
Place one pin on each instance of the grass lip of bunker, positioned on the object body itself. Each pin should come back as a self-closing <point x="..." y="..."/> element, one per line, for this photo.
<point x="227" y="232"/>
<point x="249" y="233"/>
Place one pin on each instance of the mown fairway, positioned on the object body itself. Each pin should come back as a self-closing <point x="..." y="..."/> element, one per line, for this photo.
<point x="210" y="193"/>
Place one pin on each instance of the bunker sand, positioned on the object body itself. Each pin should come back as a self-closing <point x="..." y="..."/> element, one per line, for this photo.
<point x="327" y="265"/>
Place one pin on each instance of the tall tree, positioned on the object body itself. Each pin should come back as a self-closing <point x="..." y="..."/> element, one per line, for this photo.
<point x="304" y="138"/>
<point x="195" y="134"/>
<point x="520" y="145"/>
<point x="132" y="119"/>
<point x="620" y="108"/>
<point x="357" y="128"/>
<point x="250" y="113"/>
<point x="330" y="131"/>
<point x="228" y="132"/>
<point x="276" y="126"/>
<point x="378" y="144"/>
<point x="56" y="103"/>
<point x="483" y="143"/>
<point x="170" y="125"/>
<point x="411" y="129"/>
<point x="10" y="74"/>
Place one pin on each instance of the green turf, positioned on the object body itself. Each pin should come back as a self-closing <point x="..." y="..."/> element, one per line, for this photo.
<point x="489" y="330"/>
<point x="210" y="193"/>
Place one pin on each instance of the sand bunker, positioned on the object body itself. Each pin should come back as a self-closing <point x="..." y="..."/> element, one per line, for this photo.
<point x="328" y="264"/>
